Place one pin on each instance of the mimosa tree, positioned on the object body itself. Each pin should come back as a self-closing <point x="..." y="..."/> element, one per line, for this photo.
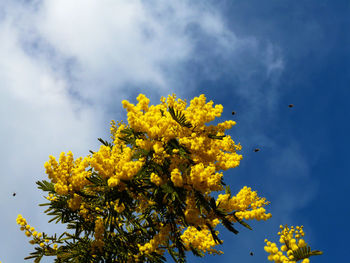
<point x="149" y="190"/>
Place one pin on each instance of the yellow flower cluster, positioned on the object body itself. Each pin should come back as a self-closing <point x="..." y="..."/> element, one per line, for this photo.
<point x="247" y="204"/>
<point x="116" y="206"/>
<point x="98" y="243"/>
<point x="84" y="211"/>
<point x="176" y="177"/>
<point x="30" y="232"/>
<point x="67" y="175"/>
<point x="158" y="239"/>
<point x="75" y="202"/>
<point x="156" y="179"/>
<point x="291" y="240"/>
<point x="119" y="208"/>
<point x="202" y="240"/>
<point x="51" y="197"/>
<point x="205" y="179"/>
<point x="159" y="127"/>
<point x="115" y="164"/>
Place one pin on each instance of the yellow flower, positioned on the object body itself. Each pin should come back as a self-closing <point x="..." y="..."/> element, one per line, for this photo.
<point x="176" y="177"/>
<point x="156" y="179"/>
<point x="202" y="240"/>
<point x="290" y="238"/>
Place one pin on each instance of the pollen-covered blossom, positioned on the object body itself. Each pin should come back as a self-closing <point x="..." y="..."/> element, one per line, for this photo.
<point x="115" y="164"/>
<point x="21" y="221"/>
<point x="30" y="232"/>
<point x="99" y="233"/>
<point x="291" y="240"/>
<point x="204" y="178"/>
<point x="67" y="175"/>
<point x="247" y="204"/>
<point x="156" y="179"/>
<point x="51" y="197"/>
<point x="84" y="211"/>
<point x="74" y="202"/>
<point x="159" y="127"/>
<point x="176" y="177"/>
<point x="118" y="206"/>
<point x="200" y="239"/>
<point x="158" y="239"/>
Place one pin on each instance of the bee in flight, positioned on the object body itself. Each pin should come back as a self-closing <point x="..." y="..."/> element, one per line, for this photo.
<point x="14" y="194"/>
<point x="256" y="149"/>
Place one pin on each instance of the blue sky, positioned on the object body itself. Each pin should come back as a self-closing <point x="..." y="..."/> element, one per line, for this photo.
<point x="66" y="66"/>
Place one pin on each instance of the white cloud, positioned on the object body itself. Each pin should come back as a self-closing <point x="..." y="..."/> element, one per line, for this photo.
<point x="37" y="118"/>
<point x="115" y="42"/>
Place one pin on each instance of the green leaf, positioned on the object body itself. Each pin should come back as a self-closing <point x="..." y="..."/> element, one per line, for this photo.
<point x="196" y="251"/>
<point x="222" y="181"/>
<point x="96" y="180"/>
<point x="214" y="235"/>
<point x="105" y="143"/>
<point x="241" y="222"/>
<point x="46" y="186"/>
<point x="139" y="153"/>
<point x="305" y="252"/>
<point x="45" y="204"/>
<point x="228" y="224"/>
<point x="315" y="253"/>
<point x="54" y="218"/>
<point x="212" y="203"/>
<point x="130" y="136"/>
<point x="167" y="188"/>
<point x="179" y="117"/>
<point x="228" y="190"/>
<point x="218" y="137"/>
<point x="201" y="201"/>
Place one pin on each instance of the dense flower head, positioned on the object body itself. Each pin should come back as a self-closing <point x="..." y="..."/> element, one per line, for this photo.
<point x="176" y="177"/>
<point x="99" y="232"/>
<point x="246" y="203"/>
<point x="158" y="239"/>
<point x="67" y="174"/>
<point x="156" y="179"/>
<point x="292" y="241"/>
<point x="200" y="239"/>
<point x="115" y="164"/>
<point x="159" y="127"/>
<point x="204" y="178"/>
